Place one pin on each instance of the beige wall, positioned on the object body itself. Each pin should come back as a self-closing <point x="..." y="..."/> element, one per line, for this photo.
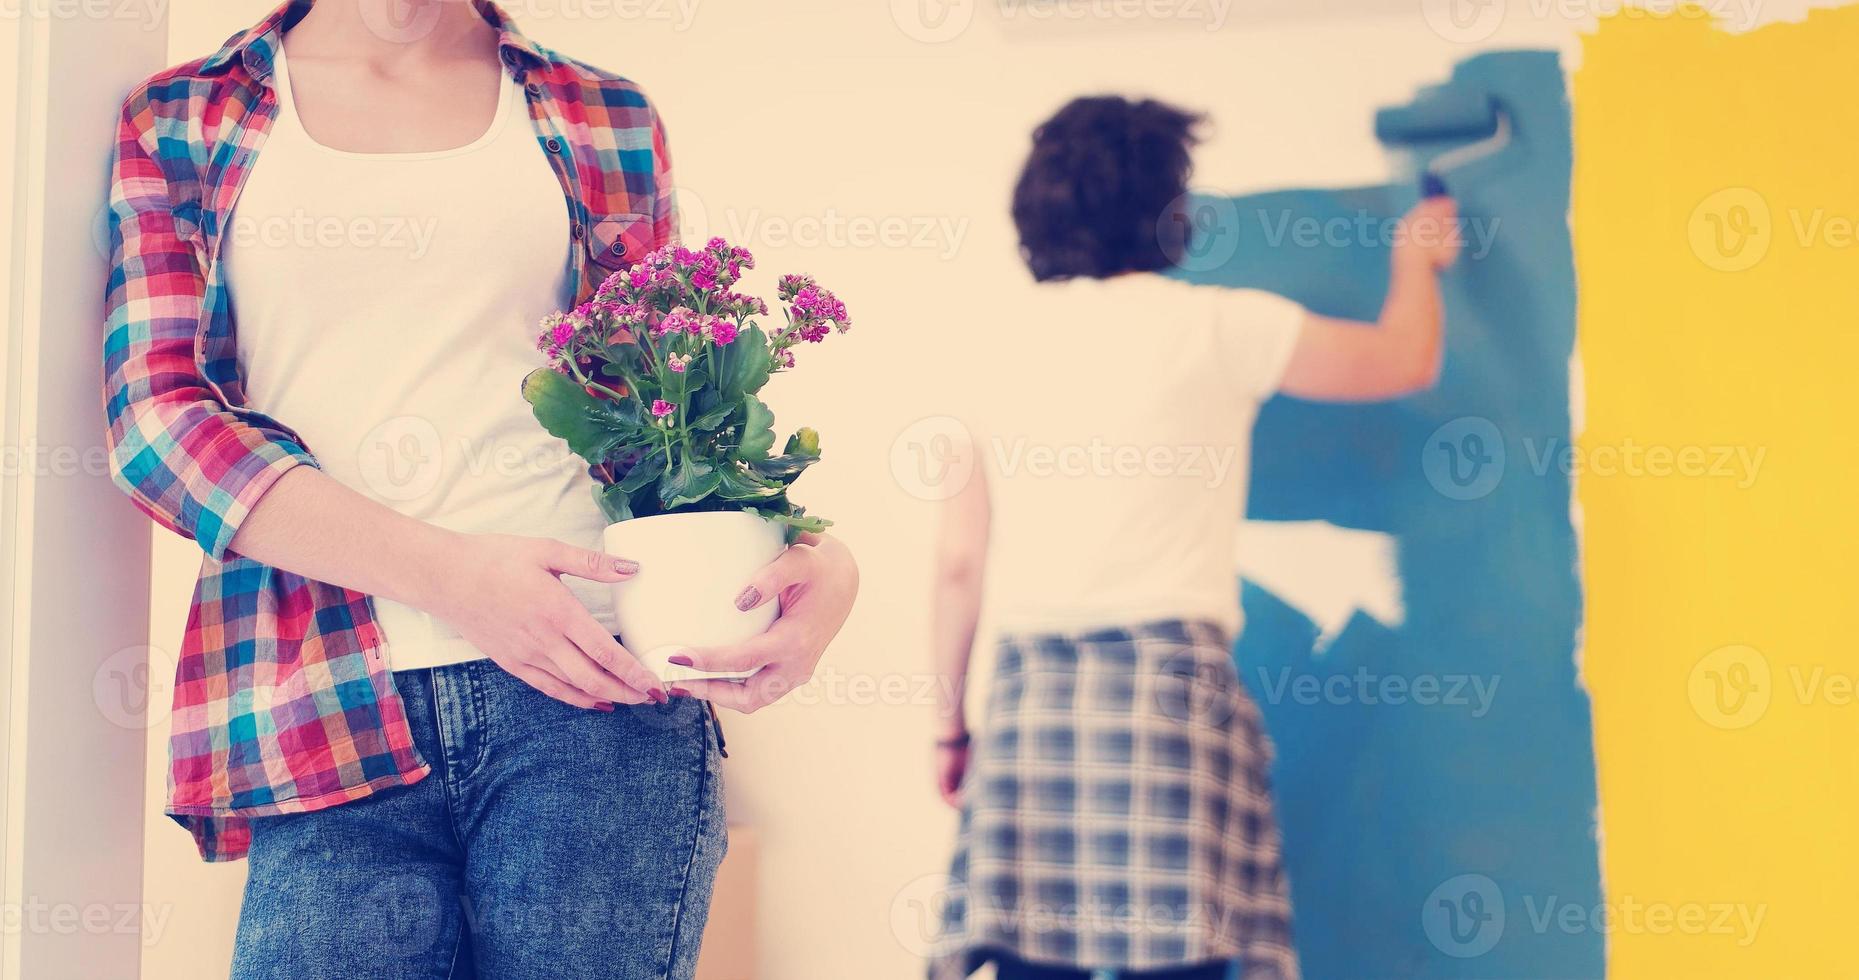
<point x="801" y="128"/>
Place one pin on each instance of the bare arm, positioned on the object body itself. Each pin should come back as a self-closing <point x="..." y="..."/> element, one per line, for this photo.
<point x="961" y="558"/>
<point x="316" y="527"/>
<point x="503" y="593"/>
<point x="1348" y="361"/>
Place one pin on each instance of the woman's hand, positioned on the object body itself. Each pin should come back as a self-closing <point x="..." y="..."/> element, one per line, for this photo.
<point x="504" y="595"/>
<point x="951" y="768"/>
<point x="815" y="581"/>
<point x="1429" y="235"/>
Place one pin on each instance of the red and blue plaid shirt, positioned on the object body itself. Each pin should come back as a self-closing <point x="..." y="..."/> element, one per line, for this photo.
<point x="283" y="700"/>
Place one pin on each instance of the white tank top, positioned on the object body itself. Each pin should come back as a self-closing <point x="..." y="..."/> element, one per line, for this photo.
<point x="1115" y="423"/>
<point x="386" y="307"/>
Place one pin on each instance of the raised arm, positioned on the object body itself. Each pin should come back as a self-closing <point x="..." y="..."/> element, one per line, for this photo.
<point x="1348" y="361"/>
<point x="960" y="561"/>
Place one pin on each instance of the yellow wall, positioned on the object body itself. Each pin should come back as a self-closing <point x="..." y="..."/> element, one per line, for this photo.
<point x="1714" y="217"/>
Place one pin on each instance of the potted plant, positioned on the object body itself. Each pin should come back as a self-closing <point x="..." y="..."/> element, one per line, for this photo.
<point x="654" y="381"/>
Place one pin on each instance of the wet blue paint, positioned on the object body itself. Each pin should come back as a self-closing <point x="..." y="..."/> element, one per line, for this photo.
<point x="1383" y="804"/>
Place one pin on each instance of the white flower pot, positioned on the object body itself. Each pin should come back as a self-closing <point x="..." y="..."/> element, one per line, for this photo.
<point x="691" y="569"/>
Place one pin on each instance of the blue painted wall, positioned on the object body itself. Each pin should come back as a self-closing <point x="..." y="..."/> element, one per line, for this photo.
<point x="1392" y="812"/>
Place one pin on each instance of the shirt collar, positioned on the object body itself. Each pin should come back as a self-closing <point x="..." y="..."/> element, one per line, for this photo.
<point x="256" y="47"/>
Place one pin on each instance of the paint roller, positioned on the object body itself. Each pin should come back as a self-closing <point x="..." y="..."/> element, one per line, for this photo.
<point x="1446" y="115"/>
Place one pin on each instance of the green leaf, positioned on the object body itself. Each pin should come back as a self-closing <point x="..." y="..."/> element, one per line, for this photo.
<point x="690" y="482"/>
<point x="643" y="472"/>
<point x="613" y="503"/>
<point x="758" y="434"/>
<point x="746" y="368"/>
<point x="802" y="451"/>
<point x="737" y="484"/>
<point x="785" y="467"/>
<point x="804" y="441"/>
<point x="592" y="427"/>
<point x="712" y="420"/>
<point x="798" y="522"/>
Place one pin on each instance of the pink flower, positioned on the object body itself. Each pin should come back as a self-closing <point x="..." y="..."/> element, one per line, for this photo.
<point x="662" y="408"/>
<point x="611" y="286"/>
<point x="679" y="320"/>
<point x="678" y="362"/>
<point x="557" y="331"/>
<point x="788" y="286"/>
<point x="706" y="272"/>
<point x="736" y="304"/>
<point x="723" y="332"/>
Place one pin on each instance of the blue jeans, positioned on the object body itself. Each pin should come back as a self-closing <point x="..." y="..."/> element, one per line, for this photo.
<point x="550" y="841"/>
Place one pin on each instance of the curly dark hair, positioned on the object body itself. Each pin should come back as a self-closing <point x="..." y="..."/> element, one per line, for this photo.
<point x="1095" y="195"/>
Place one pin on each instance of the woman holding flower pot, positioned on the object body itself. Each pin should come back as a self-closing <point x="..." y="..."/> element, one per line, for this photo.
<point x="400" y="691"/>
<point x="1115" y="797"/>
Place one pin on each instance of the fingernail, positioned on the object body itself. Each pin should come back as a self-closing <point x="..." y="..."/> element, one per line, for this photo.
<point x="749" y="599"/>
<point x="603" y="706"/>
<point x="678" y="692"/>
<point x="681" y="660"/>
<point x="625" y="566"/>
<point x="657" y="696"/>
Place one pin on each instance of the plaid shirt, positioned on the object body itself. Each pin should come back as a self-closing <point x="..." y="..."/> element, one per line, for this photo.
<point x="283" y="700"/>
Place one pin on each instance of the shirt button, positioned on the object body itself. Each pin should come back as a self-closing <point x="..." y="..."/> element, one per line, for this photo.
<point x="533" y="89"/>
<point x="579" y="231"/>
<point x="554" y="145"/>
<point x="619" y="249"/>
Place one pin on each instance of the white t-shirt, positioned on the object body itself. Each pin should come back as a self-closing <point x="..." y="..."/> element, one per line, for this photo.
<point x="387" y="308"/>
<point x="1116" y="436"/>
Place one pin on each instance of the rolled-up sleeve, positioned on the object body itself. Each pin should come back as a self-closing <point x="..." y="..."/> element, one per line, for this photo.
<point x="187" y="460"/>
